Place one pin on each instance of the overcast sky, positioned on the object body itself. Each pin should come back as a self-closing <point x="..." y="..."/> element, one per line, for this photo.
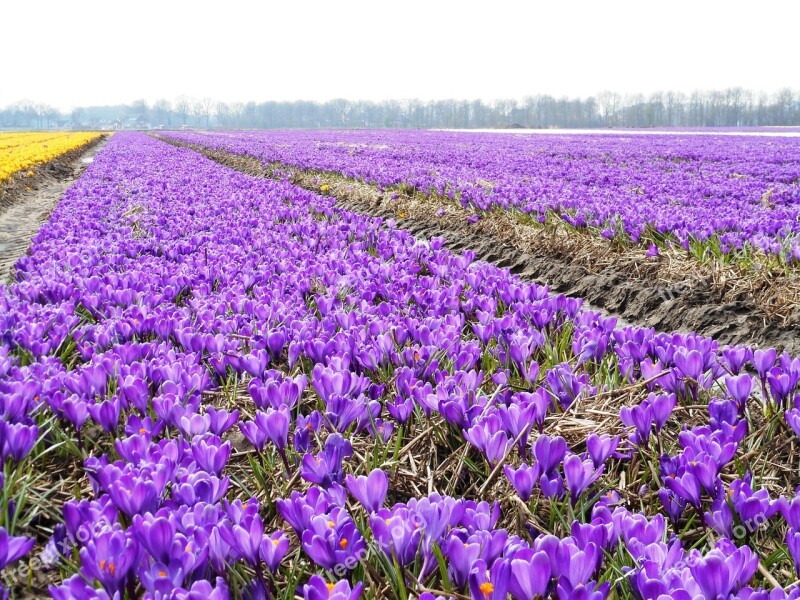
<point x="91" y="52"/>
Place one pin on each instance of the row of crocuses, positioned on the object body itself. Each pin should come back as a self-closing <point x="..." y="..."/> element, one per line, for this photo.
<point x="737" y="189"/>
<point x="164" y="283"/>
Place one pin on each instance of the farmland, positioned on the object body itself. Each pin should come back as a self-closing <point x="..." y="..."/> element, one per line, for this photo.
<point x="219" y="384"/>
<point x="673" y="231"/>
<point x="22" y="152"/>
<point x="713" y="195"/>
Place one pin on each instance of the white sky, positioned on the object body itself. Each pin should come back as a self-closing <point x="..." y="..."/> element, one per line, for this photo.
<point x="68" y="53"/>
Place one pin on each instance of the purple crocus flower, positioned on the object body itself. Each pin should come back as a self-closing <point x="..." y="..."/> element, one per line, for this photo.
<point x="781" y="385"/>
<point x="689" y="363"/>
<point x="579" y="475"/>
<point x="135" y="495"/>
<point x="155" y="534"/>
<point x="490" y="584"/>
<point x="793" y="419"/>
<point x="57" y="545"/>
<point x="276" y="424"/>
<point x="211" y="454"/>
<point x="600" y="447"/>
<point x="333" y="541"/>
<point x="76" y="411"/>
<point x="109" y="558"/>
<point x="255" y="431"/>
<point x="276" y="340"/>
<point x="722" y="572"/>
<point x="369" y="490"/>
<point x="763" y="361"/>
<point x="106" y="414"/>
<point x="639" y="417"/>
<point x="517" y="420"/>
<point x="255" y="363"/>
<point x="596" y="533"/>
<point x="530" y="574"/>
<point x="739" y="388"/>
<point x="401" y="409"/>
<point x="552" y="485"/>
<point x="77" y="588"/>
<point x="84" y="516"/>
<point x="13" y="548"/>
<point x="490" y="438"/>
<point x="304" y="429"/>
<point x="298" y="509"/>
<point x="549" y="452"/>
<point x="587" y="591"/>
<point x="273" y="550"/>
<point x="160" y="578"/>
<point x="704" y="468"/>
<point x="736" y="356"/>
<point x="219" y="420"/>
<point x="523" y="478"/>
<point x="661" y="406"/>
<point x="204" y="590"/>
<point x="382" y="430"/>
<point x="720" y="517"/>
<point x="686" y="487"/>
<point x="200" y="487"/>
<point x="398" y="533"/>
<point x="437" y="513"/>
<point x="673" y="506"/>
<point x="460" y="555"/>
<point x="793" y="544"/>
<point x="246" y="538"/>
<point x="193" y="424"/>
<point x="318" y="589"/>
<point x="19" y="440"/>
<point x="790" y="510"/>
<point x="326" y="468"/>
<point x="753" y="507"/>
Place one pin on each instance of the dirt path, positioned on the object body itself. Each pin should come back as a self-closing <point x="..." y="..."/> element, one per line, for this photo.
<point x="668" y="295"/>
<point x="23" y="212"/>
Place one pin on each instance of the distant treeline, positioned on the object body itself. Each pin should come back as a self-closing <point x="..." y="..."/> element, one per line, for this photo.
<point x="733" y="107"/>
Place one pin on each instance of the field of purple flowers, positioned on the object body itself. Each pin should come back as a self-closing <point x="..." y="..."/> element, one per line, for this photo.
<point x="720" y="197"/>
<point x="219" y="386"/>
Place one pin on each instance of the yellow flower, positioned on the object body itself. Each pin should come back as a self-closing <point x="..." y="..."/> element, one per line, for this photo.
<point x="21" y="152"/>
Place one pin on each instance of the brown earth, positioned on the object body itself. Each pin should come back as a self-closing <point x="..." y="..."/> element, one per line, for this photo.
<point x="26" y="202"/>
<point x="672" y="292"/>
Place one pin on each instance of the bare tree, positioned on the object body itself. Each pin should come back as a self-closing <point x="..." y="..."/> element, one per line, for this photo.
<point x="182" y="108"/>
<point x="723" y="108"/>
<point x="204" y="108"/>
<point x="162" y="110"/>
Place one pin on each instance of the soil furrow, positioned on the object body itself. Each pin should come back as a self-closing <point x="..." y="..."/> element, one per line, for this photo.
<point x="27" y="203"/>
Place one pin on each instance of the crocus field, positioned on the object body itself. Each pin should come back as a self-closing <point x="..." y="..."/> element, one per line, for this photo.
<point x="718" y="196"/>
<point x="22" y="152"/>
<point x="214" y="385"/>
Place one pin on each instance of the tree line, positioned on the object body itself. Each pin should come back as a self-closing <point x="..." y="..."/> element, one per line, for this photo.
<point x="732" y="107"/>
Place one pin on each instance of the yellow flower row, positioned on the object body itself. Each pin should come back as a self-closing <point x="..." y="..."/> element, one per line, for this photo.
<point x="10" y="140"/>
<point x="23" y="151"/>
